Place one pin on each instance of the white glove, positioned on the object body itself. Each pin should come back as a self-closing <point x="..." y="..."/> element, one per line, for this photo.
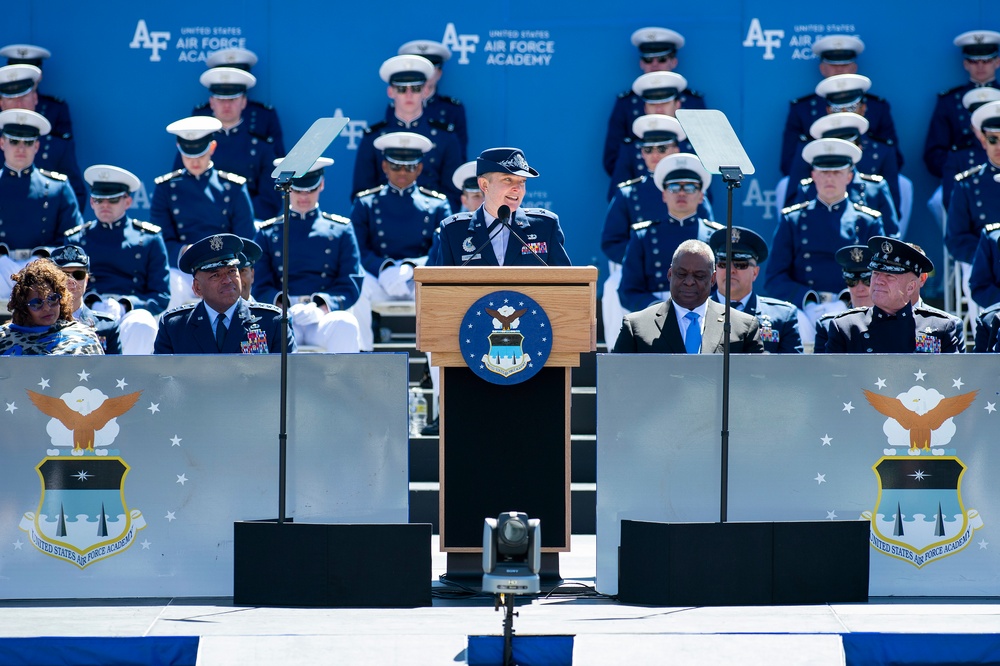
<point x="305" y="313"/>
<point x="397" y="280"/>
<point x="109" y="306"/>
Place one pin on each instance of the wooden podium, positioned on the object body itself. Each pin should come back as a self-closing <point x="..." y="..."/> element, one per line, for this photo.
<point x="505" y="447"/>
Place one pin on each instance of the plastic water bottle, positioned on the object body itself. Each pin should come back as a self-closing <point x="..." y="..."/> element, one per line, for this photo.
<point x="418" y="411"/>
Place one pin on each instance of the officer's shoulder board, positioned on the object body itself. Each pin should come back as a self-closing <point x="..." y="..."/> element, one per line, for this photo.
<point x="991" y="227"/>
<point x="104" y="316"/>
<point x="626" y="93"/>
<point x="375" y="127"/>
<point x="266" y="307"/>
<point x="693" y="93"/>
<point x="849" y="311"/>
<point x="861" y="208"/>
<point x="874" y="97"/>
<point x="54" y="175"/>
<point x="431" y="193"/>
<point x="929" y="311"/>
<point x="628" y="183"/>
<point x="449" y="100"/>
<point x="204" y="106"/>
<point x="712" y="224"/>
<point x="441" y="125"/>
<point x="364" y="193"/>
<point x="969" y="172"/>
<point x="52" y="98"/>
<point x="168" y="176"/>
<point x="799" y="100"/>
<point x="806" y="182"/>
<point x="877" y="139"/>
<point x="871" y="177"/>
<point x="148" y="227"/>
<point x="792" y="209"/>
<point x="952" y="91"/>
<point x="639" y="226"/>
<point x="267" y="224"/>
<point x="179" y="309"/>
<point x="80" y="227"/>
<point x="541" y="212"/>
<point x="232" y="177"/>
<point x="776" y="302"/>
<point x="464" y="216"/>
<point x="262" y="105"/>
<point x="260" y="136"/>
<point x="339" y="219"/>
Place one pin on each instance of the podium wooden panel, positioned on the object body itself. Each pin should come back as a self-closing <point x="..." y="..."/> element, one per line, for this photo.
<point x="505" y="448"/>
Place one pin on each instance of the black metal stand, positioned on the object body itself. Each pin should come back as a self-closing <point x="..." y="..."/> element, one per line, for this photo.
<point x="508" y="626"/>
<point x="284" y="184"/>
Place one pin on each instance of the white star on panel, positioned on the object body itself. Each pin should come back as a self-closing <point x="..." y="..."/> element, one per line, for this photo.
<point x="880" y="383"/>
<point x="11" y="407"/>
<point x="182" y="479"/>
<point x="81" y="475"/>
<point x="145" y="544"/>
<point x="175" y="441"/>
<point x="83" y="375"/>
<point x="826" y="439"/>
<point x="957" y="383"/>
<point x="831" y="515"/>
<point x="982" y="543"/>
<point x="919" y="475"/>
<point x="919" y="374"/>
<point x="990" y="407"/>
<point x="170" y="516"/>
<point x="122" y="383"/>
<point x="848" y="406"/>
<point x="820" y="478"/>
<point x="44" y="383"/>
<point x="153" y="407"/>
<point x="18" y="544"/>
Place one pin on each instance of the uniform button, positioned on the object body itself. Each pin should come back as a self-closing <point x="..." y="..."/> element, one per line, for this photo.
<point x="327" y="251"/>
<point x="657" y="264"/>
<point x="658" y="274"/>
<point x="810" y="282"/>
<point x="809" y="269"/>
<point x="225" y="212"/>
<point x="173" y="197"/>
<point x="182" y="237"/>
<point x="180" y="225"/>
<point x="177" y="211"/>
<point x="805" y="241"/>
<point x="382" y="246"/>
<point x="277" y="253"/>
<point x="869" y="350"/>
<point x="225" y="199"/>
<point x="138" y="256"/>
<point x="322" y="275"/>
<point x="804" y="227"/>
<point x="381" y="233"/>
<point x="135" y="279"/>
<point x="656" y="251"/>
<point x="806" y="255"/>
<point x="866" y="335"/>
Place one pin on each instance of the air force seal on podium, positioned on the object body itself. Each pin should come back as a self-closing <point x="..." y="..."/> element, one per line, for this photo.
<point x="506" y="337"/>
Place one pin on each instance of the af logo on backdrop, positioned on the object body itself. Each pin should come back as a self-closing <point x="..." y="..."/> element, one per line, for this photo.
<point x="505" y="337"/>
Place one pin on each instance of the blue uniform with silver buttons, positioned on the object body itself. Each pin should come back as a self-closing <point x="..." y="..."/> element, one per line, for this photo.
<point x="629" y="106"/>
<point x="779" y="323"/>
<point x="261" y="119"/>
<point x="975" y="202"/>
<point x="59" y="155"/>
<point x="876" y="159"/>
<point x="867" y="189"/>
<point x="449" y="112"/>
<point x="37" y="207"/>
<point x="870" y="330"/>
<point x="959" y="161"/>
<point x="950" y="128"/>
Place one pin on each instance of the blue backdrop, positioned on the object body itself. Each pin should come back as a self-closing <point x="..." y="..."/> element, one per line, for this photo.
<point x="541" y="76"/>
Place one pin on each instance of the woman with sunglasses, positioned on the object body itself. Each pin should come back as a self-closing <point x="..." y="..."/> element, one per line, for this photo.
<point x="42" y="320"/>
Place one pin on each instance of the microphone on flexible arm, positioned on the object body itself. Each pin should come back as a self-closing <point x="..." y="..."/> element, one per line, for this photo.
<point x="503" y="215"/>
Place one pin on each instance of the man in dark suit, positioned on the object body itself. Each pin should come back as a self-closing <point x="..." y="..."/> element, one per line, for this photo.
<point x="222" y="322"/>
<point x="688" y="322"/>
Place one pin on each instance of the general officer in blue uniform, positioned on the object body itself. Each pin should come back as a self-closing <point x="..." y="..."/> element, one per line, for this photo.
<point x="261" y="119"/>
<point x="873" y="174"/>
<point x="197" y="200"/>
<point x="394" y="225"/>
<point x="963" y="159"/>
<point x="239" y="149"/>
<point x="802" y="269"/>
<point x="55" y="109"/>
<point x="984" y="278"/>
<point x="837" y="55"/>
<point x="657" y="53"/>
<point x="18" y="90"/>
<point x="779" y="323"/>
<point x="407" y="76"/>
<point x="682" y="180"/>
<point x="480" y="238"/>
<point x="221" y="322"/>
<point x="446" y="110"/>
<point x="75" y="263"/>
<point x="325" y="266"/>
<point x="950" y="127"/>
<point x="853" y="260"/>
<point x="37" y="206"/>
<point x="975" y="200"/>
<point x="893" y="324"/>
<point x="128" y="258"/>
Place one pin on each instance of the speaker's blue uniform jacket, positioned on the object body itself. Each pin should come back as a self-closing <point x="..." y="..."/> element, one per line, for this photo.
<point x="463" y="233"/>
<point x="323" y="258"/>
<point x="188" y="208"/>
<point x="255" y="329"/>
<point x="128" y="259"/>
<point x="37" y="208"/>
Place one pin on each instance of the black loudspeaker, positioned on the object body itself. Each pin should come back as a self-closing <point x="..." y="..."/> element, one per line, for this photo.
<point x="338" y="566"/>
<point x="738" y="564"/>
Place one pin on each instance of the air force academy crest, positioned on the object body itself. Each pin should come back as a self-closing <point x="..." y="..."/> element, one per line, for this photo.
<point x="506" y="337"/>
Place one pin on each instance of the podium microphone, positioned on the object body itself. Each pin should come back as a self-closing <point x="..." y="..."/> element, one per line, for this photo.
<point x="503" y="215"/>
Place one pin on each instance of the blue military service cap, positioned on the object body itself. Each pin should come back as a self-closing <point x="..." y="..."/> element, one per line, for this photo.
<point x="436" y="52"/>
<point x="406" y="70"/>
<point x="890" y="255"/>
<point x="831" y="154"/>
<point x="653" y="41"/>
<point x="465" y="178"/>
<point x="747" y="245"/>
<point x="854" y="260"/>
<point x="23" y="124"/>
<point x="979" y="44"/>
<point x="843" y="125"/>
<point x="309" y="180"/>
<point x="659" y="87"/>
<point x="251" y="253"/>
<point x="403" y="147"/>
<point x="108" y="181"/>
<point x="70" y="256"/>
<point x="18" y="80"/>
<point x="211" y="253"/>
<point x="27" y="54"/>
<point x="843" y="90"/>
<point x="504" y="160"/>
<point x="656" y="128"/>
<point x="987" y="117"/>
<point x="227" y="82"/>
<point x="838" y="49"/>
<point x="235" y="57"/>
<point x="681" y="168"/>
<point x="194" y="134"/>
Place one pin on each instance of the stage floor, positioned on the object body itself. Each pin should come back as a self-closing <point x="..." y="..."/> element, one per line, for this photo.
<point x="606" y="632"/>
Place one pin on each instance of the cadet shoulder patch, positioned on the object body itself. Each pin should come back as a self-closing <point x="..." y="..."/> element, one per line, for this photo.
<point x="993" y="226"/>
<point x="628" y="183"/>
<point x="178" y="310"/>
<point x="204" y="106"/>
<point x="54" y="175"/>
<point x="969" y="172"/>
<point x="148" y="227"/>
<point x="267" y="224"/>
<point x="623" y="95"/>
<point x="375" y="127"/>
<point x="639" y="226"/>
<point x="168" y="176"/>
<point x="871" y="177"/>
<point x="339" y="219"/>
<point x="806" y="182"/>
<point x="431" y="193"/>
<point x="792" y="209"/>
<point x="861" y="208"/>
<point x="232" y="177"/>
<point x="952" y="91"/>
<point x="458" y="217"/>
<point x="372" y="190"/>
<point x="713" y="224"/>
<point x="693" y="93"/>
<point x="541" y="212"/>
<point x="449" y="100"/>
<point x="80" y="227"/>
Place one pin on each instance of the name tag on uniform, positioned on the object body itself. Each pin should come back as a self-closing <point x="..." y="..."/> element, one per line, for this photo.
<point x="539" y="248"/>
<point x="470" y="257"/>
<point x="928" y="344"/>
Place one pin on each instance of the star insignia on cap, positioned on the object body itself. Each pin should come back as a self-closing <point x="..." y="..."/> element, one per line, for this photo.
<point x="886" y="248"/>
<point x="736" y="235"/>
<point x="857" y="255"/>
<point x="215" y="243"/>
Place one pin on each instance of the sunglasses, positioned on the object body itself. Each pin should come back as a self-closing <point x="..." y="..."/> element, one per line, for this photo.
<point x="402" y="90"/>
<point x="649" y="60"/>
<point x="737" y="265"/>
<point x="854" y="283"/>
<point x="28" y="143"/>
<point x="37" y="304"/>
<point x="107" y="200"/>
<point x="79" y="275"/>
<point x="403" y="167"/>
<point x="661" y="148"/>
<point x="992" y="139"/>
<point x="686" y="188"/>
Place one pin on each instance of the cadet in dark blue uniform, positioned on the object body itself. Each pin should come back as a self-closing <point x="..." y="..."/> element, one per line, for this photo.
<point x="657" y="53"/>
<point x="55" y="109"/>
<point x="395" y="225"/>
<point x="779" y="320"/>
<point x="221" y="322"/>
<point x="682" y="180"/>
<point x="446" y="110"/>
<point x="478" y="239"/>
<point x="802" y="268"/>
<point x="893" y="324"/>
<point x="407" y="76"/>
<point x="239" y="149"/>
<point x="197" y="200"/>
<point x="37" y="207"/>
<point x="950" y="128"/>
<point x="75" y="263"/>
<point x="324" y="262"/>
<point x="837" y="55"/>
<point x="656" y="136"/>
<point x="963" y="159"/>
<point x="984" y="278"/>
<point x="975" y="201"/>
<point x="131" y="277"/>
<point x="261" y="119"/>
<point x="853" y="260"/>
<point x="988" y="330"/>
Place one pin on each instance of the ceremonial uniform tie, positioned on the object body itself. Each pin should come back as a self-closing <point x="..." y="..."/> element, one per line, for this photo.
<point x="692" y="343"/>
<point x="220" y="330"/>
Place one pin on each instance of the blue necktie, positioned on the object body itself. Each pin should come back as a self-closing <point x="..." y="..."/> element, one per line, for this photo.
<point x="692" y="343"/>
<point x="220" y="330"/>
